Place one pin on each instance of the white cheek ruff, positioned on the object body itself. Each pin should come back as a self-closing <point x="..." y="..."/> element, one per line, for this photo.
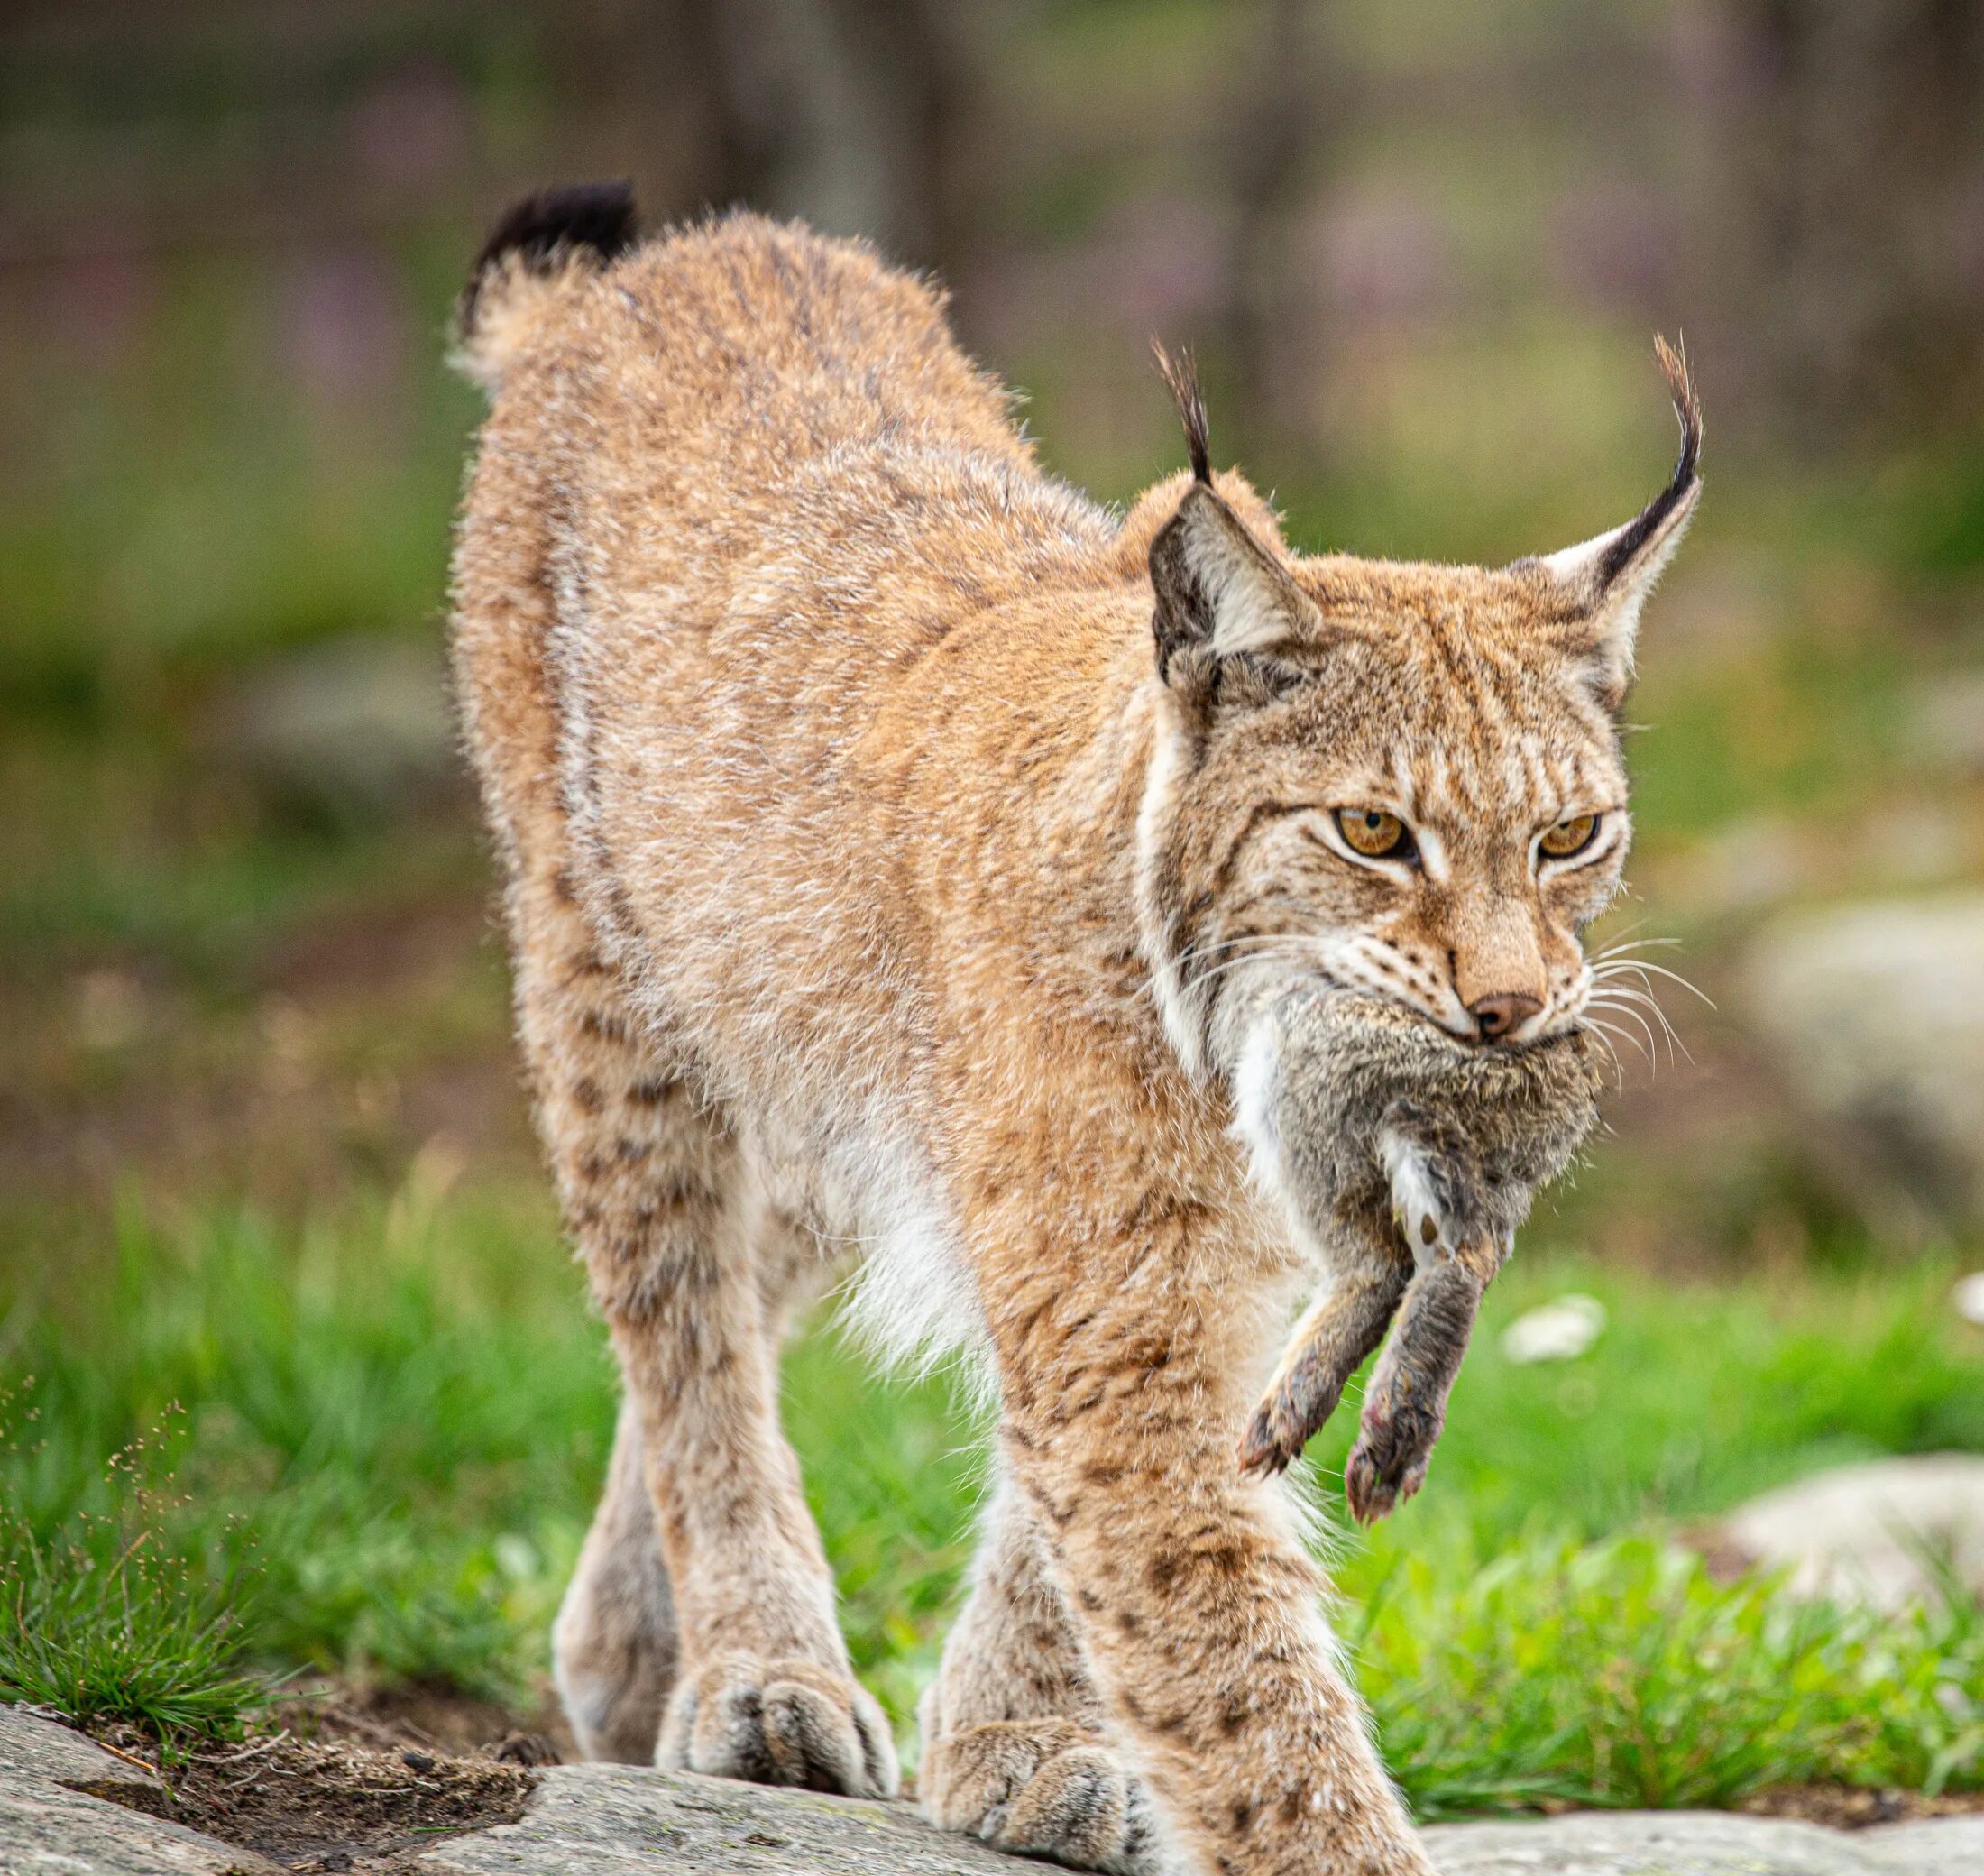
<point x="1184" y="1025"/>
<point x="1257" y="1090"/>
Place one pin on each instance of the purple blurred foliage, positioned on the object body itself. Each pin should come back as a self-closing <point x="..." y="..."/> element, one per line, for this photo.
<point x="1153" y="265"/>
<point x="1614" y="243"/>
<point x="1376" y="255"/>
<point x="92" y="306"/>
<point x="342" y="327"/>
<point x="411" y="126"/>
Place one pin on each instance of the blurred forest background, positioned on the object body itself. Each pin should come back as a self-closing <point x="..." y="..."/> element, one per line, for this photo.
<point x="245" y="940"/>
<point x="248" y="968"/>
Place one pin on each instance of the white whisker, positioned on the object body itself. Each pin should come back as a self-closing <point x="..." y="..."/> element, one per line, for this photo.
<point x="1285" y="953"/>
<point x="1647" y="1000"/>
<point x="1642" y="968"/>
<point x="1605" y="1029"/>
<point x="1604" y="1041"/>
<point x="1628" y="1013"/>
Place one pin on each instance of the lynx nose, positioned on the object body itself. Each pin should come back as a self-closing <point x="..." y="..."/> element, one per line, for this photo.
<point x="1500" y="1017"/>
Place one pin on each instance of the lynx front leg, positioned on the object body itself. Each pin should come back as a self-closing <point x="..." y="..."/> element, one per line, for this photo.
<point x="1015" y="1745"/>
<point x="1196" y="1607"/>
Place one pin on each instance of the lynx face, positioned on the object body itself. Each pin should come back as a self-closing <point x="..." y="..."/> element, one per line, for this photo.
<point x="1403" y="779"/>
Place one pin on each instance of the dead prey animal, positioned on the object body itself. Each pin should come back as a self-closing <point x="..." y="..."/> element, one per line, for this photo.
<point x="1407" y="1159"/>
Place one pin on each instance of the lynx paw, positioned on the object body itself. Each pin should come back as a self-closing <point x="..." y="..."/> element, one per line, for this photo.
<point x="1041" y="1788"/>
<point x="785" y="1722"/>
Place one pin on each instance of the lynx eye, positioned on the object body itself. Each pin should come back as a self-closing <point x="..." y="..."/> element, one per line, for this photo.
<point x="1375" y="834"/>
<point x="1569" y="837"/>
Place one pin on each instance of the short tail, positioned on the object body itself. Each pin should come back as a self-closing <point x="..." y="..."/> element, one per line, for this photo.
<point x="537" y="249"/>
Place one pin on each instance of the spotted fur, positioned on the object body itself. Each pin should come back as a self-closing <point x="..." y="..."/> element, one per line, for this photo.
<point x="868" y="887"/>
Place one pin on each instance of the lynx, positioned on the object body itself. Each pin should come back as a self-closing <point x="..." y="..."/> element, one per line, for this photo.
<point x="904" y="853"/>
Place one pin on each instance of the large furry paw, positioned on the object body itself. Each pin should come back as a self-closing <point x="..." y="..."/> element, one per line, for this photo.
<point x="781" y="1722"/>
<point x="1041" y="1788"/>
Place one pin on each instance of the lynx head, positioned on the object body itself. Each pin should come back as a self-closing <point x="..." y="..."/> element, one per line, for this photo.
<point x="1405" y="779"/>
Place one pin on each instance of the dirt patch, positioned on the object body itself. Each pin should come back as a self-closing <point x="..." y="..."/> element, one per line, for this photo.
<point x="424" y="1717"/>
<point x="323" y="1805"/>
<point x="1856" y="1806"/>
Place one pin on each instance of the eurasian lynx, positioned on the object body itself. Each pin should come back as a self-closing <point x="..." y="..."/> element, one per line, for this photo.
<point x="895" y="844"/>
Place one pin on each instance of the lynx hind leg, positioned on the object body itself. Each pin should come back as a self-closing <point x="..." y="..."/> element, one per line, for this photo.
<point x="1015" y="1751"/>
<point x="614" y="1649"/>
<point x="1327" y="1348"/>
<point x="671" y="1223"/>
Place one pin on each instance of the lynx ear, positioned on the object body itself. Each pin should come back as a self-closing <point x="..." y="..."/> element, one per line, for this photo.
<point x="1218" y="590"/>
<point x="1608" y="577"/>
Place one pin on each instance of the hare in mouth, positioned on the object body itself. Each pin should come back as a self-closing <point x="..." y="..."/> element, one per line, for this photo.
<point x="1407" y="1160"/>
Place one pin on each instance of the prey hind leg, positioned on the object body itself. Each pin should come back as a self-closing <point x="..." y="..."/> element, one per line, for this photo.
<point x="1441" y="1207"/>
<point x="1015" y="1748"/>
<point x="683" y="1248"/>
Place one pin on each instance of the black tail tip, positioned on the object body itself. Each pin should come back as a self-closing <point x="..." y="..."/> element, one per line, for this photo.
<point x="595" y="216"/>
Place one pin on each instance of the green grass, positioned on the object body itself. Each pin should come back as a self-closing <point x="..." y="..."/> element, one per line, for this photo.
<point x="106" y="1625"/>
<point x="369" y="1444"/>
<point x="1620" y="1674"/>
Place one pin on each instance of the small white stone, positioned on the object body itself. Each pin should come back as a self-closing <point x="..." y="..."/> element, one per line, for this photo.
<point x="1968" y="1297"/>
<point x="1559" y="1330"/>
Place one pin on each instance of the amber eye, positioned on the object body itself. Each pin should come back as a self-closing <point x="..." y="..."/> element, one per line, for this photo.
<point x="1569" y="837"/>
<point x="1374" y="833"/>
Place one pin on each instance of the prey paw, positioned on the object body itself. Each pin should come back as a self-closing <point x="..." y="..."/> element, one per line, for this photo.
<point x="1275" y="1435"/>
<point x="1041" y="1788"/>
<point x="1388" y="1464"/>
<point x="778" y="1721"/>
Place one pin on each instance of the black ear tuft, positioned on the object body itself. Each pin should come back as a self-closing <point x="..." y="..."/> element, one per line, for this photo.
<point x="1182" y="374"/>
<point x="1687" y="411"/>
<point x="557" y="222"/>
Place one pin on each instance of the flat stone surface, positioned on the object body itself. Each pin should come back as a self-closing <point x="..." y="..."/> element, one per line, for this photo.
<point x="612" y="1820"/>
<point x="47" y="1828"/>
<point x="1703" y="1843"/>
<point x="1943" y="1846"/>
<point x="617" y="1819"/>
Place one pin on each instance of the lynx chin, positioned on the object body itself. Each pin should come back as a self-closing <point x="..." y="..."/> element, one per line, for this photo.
<point x="895" y="844"/>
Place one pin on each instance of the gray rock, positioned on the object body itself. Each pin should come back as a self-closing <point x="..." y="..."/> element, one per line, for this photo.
<point x="617" y="1820"/>
<point x="356" y="728"/>
<point x="49" y="1828"/>
<point x="1703" y="1843"/>
<point x="1869" y="1533"/>
<point x="1945" y="1846"/>
<point x="614" y="1820"/>
<point x="1876" y="1015"/>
